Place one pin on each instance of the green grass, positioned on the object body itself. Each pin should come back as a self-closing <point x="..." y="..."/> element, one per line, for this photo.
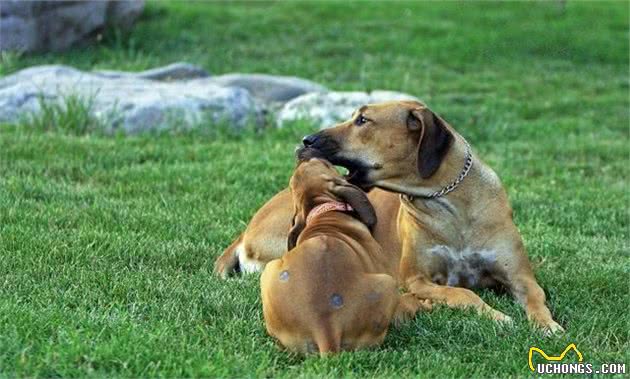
<point x="73" y="114"/>
<point x="107" y="242"/>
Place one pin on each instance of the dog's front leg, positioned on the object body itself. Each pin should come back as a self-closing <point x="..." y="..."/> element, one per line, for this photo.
<point x="417" y="282"/>
<point x="516" y="273"/>
<point x="529" y="294"/>
<point x="523" y="286"/>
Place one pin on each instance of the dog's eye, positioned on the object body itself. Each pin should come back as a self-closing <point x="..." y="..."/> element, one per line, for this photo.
<point x="360" y="120"/>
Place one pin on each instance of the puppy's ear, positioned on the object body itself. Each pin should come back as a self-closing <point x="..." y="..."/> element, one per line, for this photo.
<point x="358" y="201"/>
<point x="295" y="231"/>
<point x="303" y="154"/>
<point x="435" y="139"/>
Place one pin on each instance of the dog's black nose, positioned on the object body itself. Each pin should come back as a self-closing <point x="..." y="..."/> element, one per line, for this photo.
<point x="309" y="141"/>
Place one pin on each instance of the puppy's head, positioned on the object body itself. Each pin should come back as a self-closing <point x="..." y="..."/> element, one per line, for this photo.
<point x="384" y="142"/>
<point x="316" y="181"/>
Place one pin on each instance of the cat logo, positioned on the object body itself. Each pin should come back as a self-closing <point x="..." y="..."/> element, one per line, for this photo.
<point x="553" y="358"/>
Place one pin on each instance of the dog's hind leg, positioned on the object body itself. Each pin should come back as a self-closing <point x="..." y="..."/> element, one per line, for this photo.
<point x="227" y="263"/>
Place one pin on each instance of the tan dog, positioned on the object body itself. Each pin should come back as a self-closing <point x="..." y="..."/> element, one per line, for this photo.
<point x="463" y="238"/>
<point x="455" y="222"/>
<point x="265" y="237"/>
<point x="334" y="289"/>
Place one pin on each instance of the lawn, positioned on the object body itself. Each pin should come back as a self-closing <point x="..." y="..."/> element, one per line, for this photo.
<point x="107" y="242"/>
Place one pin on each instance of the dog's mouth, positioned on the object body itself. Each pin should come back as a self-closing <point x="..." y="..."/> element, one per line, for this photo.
<point x="359" y="179"/>
<point x="358" y="171"/>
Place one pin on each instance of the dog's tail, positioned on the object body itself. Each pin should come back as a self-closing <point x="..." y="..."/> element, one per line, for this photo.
<point x="227" y="263"/>
<point x="328" y="340"/>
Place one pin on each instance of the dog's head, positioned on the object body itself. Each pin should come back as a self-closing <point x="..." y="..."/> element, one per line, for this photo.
<point x="384" y="142"/>
<point x="316" y="181"/>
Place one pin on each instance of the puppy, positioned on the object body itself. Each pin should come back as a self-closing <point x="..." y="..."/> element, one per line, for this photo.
<point x="333" y="290"/>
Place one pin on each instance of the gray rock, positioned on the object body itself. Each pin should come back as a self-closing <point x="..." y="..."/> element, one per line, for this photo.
<point x="63" y="26"/>
<point x="175" y="71"/>
<point x="126" y="103"/>
<point x="328" y="109"/>
<point x="15" y="8"/>
<point x="124" y="13"/>
<point x="269" y="88"/>
<point x="57" y="25"/>
<point x="17" y="33"/>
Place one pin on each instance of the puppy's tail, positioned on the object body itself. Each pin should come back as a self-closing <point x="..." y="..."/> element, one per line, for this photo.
<point x="328" y="340"/>
<point x="227" y="263"/>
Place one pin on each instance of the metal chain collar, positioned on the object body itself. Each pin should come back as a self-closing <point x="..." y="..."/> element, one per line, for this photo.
<point x="451" y="187"/>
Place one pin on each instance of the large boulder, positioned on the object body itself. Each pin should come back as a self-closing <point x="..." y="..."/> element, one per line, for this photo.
<point x="57" y="25"/>
<point x="127" y="102"/>
<point x="327" y="109"/>
<point x="270" y="89"/>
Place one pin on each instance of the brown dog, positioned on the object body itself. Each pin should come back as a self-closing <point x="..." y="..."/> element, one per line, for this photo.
<point x="455" y="222"/>
<point x="334" y="289"/>
<point x="452" y="229"/>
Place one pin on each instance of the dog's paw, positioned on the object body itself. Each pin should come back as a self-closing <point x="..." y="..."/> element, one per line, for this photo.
<point x="425" y="305"/>
<point x="225" y="267"/>
<point x="552" y="328"/>
<point x="220" y="270"/>
<point x="502" y="318"/>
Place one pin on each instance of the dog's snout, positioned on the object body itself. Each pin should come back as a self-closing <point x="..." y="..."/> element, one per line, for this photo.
<point x="318" y="145"/>
<point x="309" y="141"/>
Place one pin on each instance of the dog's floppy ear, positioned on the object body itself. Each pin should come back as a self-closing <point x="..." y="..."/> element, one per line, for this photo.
<point x="358" y="201"/>
<point x="435" y="139"/>
<point x="294" y="233"/>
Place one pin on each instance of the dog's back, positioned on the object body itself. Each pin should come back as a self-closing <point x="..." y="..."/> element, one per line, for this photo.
<point x="315" y="299"/>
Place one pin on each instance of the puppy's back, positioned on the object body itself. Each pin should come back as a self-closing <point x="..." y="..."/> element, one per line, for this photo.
<point x="314" y="300"/>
